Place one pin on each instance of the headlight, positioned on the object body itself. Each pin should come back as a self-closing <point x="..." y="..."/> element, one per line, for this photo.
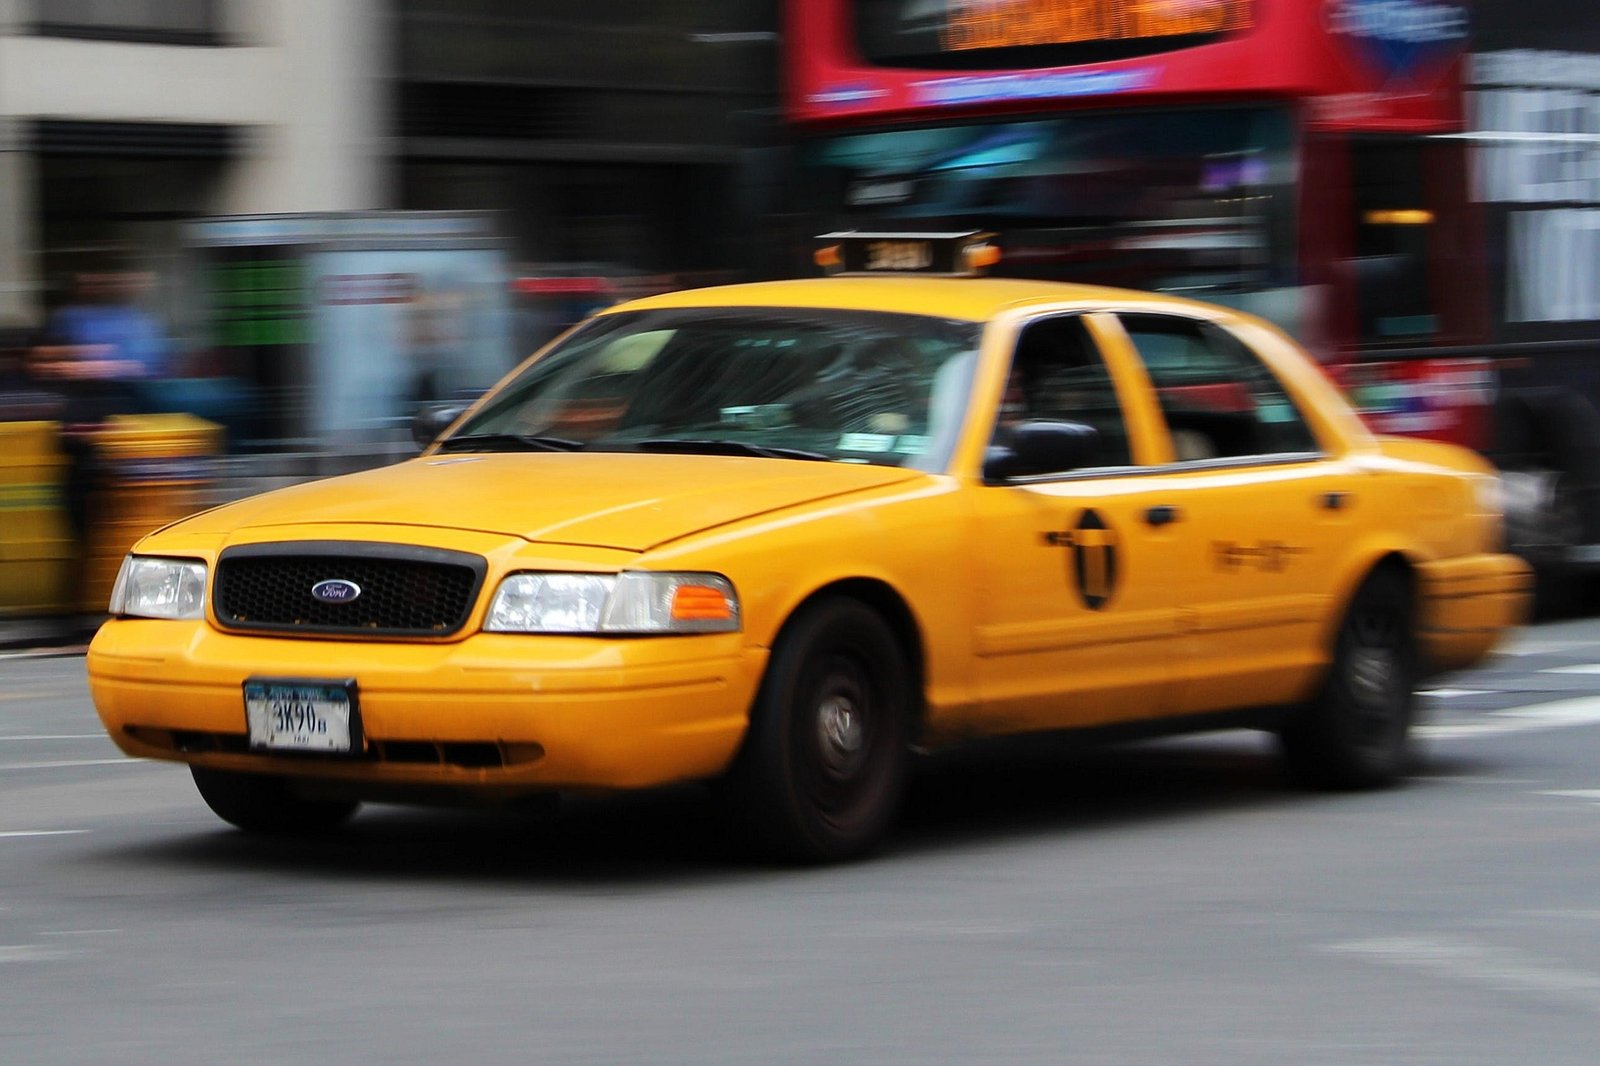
<point x="150" y="587"/>
<point x="630" y="602"/>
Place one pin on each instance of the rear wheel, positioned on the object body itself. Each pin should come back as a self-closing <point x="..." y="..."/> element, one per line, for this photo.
<point x="823" y="768"/>
<point x="1355" y="733"/>
<point x="267" y="804"/>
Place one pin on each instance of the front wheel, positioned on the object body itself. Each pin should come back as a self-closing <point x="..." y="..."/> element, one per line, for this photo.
<point x="1355" y="732"/>
<point x="823" y="768"/>
<point x="267" y="804"/>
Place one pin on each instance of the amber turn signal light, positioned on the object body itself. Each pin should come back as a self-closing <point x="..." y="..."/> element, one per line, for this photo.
<point x="699" y="603"/>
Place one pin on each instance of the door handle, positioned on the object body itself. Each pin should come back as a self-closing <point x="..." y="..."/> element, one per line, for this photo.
<point x="1161" y="515"/>
<point x="1334" y="501"/>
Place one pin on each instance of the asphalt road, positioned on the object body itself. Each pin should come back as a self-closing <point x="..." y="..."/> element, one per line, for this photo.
<point x="1172" y="902"/>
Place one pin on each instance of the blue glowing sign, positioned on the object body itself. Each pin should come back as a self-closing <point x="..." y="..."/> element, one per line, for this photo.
<point x="987" y="88"/>
<point x="847" y="95"/>
<point x="1400" y="37"/>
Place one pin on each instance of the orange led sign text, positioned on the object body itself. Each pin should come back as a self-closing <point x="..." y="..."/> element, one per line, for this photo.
<point x="972" y="24"/>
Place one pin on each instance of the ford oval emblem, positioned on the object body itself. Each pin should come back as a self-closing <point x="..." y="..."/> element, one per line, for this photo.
<point x="336" y="590"/>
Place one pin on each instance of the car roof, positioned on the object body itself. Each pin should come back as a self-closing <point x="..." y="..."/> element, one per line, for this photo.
<point x="973" y="299"/>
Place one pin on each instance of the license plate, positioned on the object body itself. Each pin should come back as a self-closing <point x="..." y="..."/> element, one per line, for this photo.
<point x="309" y="716"/>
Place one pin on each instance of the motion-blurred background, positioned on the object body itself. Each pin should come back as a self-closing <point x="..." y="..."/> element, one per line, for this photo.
<point x="282" y="225"/>
<point x="244" y="242"/>
<point x="572" y="152"/>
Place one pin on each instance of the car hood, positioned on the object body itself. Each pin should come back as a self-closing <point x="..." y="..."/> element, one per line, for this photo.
<point x="611" y="500"/>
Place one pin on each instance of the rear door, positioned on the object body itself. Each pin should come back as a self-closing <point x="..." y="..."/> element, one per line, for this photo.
<point x="1258" y="510"/>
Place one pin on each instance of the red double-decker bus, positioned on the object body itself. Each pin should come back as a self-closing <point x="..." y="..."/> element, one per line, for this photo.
<point x="1410" y="187"/>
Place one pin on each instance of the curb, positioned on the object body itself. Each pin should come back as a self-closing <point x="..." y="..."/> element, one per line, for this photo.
<point x="46" y="636"/>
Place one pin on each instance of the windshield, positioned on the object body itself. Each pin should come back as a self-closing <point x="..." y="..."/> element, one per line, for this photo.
<point x="844" y="386"/>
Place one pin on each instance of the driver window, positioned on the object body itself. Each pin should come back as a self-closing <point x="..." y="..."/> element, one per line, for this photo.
<point x="1056" y="373"/>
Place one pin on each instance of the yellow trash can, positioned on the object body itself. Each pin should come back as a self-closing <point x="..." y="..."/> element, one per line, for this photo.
<point x="154" y="469"/>
<point x="36" y="541"/>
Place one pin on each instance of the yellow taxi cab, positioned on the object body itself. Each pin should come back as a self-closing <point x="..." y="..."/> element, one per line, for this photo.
<point x="776" y="535"/>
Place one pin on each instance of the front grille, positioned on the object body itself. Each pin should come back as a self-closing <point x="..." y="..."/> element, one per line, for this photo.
<point x="405" y="591"/>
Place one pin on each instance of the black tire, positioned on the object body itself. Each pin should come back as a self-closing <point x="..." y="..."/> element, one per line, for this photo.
<point x="267" y="804"/>
<point x="1355" y="732"/>
<point x="1560" y="590"/>
<point x="1554" y="434"/>
<point x="823" y="768"/>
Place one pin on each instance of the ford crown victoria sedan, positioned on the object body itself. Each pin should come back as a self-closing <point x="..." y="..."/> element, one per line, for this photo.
<point x="776" y="536"/>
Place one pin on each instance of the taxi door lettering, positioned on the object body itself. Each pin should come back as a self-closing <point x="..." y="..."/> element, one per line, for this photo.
<point x="1267" y="556"/>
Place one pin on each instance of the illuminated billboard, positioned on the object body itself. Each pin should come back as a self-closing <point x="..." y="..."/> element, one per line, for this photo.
<point x="1372" y="65"/>
<point x="1057" y="32"/>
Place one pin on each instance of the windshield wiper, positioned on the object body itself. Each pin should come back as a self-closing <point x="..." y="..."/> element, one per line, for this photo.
<point x="497" y="442"/>
<point x="725" y="447"/>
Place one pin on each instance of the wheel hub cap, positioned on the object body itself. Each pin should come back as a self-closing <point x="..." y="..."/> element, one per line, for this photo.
<point x="840" y="727"/>
<point x="1372" y="676"/>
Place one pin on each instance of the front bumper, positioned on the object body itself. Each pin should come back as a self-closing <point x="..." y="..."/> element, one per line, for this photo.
<point x="1467" y="604"/>
<point x="493" y="713"/>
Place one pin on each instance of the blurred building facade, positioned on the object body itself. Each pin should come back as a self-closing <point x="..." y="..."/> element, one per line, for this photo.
<point x="120" y="121"/>
<point x="630" y="133"/>
<point x="633" y="135"/>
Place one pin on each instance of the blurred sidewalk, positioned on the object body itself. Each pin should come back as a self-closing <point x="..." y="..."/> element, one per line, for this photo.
<point x="64" y="635"/>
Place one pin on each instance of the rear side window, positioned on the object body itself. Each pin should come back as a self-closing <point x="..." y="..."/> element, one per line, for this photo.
<point x="1219" y="399"/>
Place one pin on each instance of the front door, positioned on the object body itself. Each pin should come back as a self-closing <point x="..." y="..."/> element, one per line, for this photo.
<point x="1075" y="622"/>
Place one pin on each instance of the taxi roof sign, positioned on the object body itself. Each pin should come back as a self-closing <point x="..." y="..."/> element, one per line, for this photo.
<point x="963" y="254"/>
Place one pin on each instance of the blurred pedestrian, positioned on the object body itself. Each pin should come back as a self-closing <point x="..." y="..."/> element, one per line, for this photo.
<point x="114" y="336"/>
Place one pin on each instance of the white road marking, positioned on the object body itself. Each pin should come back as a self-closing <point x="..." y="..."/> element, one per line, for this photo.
<point x="65" y="763"/>
<point x="1469" y="962"/>
<point x="1436" y="693"/>
<point x="1580" y="668"/>
<point x="1565" y="914"/>
<point x="1584" y="710"/>
<point x="30" y="953"/>
<point x="1590" y="794"/>
<point x="1457" y="779"/>
<point x="1542" y="647"/>
<point x="40" y="832"/>
<point x="53" y="736"/>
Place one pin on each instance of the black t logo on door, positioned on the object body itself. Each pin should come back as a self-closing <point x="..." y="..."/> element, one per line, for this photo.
<point x="1094" y="557"/>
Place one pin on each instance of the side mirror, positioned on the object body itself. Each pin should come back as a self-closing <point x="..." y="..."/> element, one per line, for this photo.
<point x="432" y="420"/>
<point x="1041" y="447"/>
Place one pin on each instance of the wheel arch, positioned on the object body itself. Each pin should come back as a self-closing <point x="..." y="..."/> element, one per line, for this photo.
<point x="1351" y="730"/>
<point x="1382" y="559"/>
<point x="884" y="599"/>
